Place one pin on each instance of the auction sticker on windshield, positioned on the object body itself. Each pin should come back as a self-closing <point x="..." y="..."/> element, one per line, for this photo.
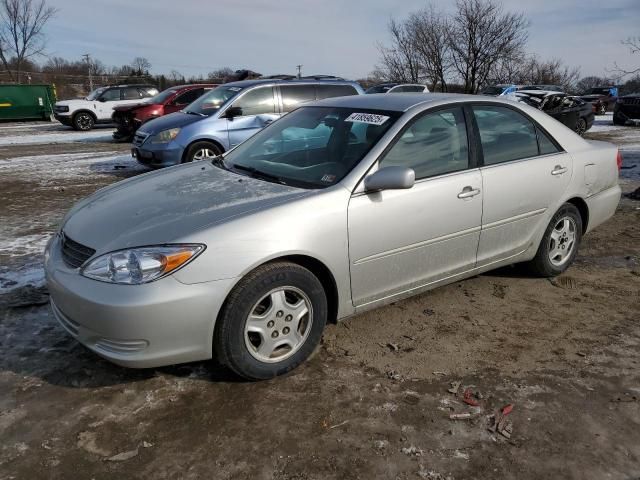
<point x="370" y="118"/>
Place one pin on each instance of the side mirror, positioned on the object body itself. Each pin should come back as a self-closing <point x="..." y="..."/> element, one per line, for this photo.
<point x="102" y="99"/>
<point x="232" y="112"/>
<point x="390" y="178"/>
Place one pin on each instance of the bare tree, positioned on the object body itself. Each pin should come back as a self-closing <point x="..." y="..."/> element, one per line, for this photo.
<point x="429" y="31"/>
<point x="548" y="72"/>
<point x="592" y="81"/>
<point x="21" y="32"/>
<point x="141" y="65"/>
<point x="221" y="74"/>
<point x="400" y="61"/>
<point x="482" y="34"/>
<point x="634" y="47"/>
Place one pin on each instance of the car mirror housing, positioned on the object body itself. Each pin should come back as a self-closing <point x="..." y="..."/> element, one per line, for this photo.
<point x="390" y="178"/>
<point x="232" y="112"/>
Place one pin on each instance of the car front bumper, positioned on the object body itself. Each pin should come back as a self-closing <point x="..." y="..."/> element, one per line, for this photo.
<point x="157" y="157"/>
<point x="64" y="119"/>
<point x="160" y="323"/>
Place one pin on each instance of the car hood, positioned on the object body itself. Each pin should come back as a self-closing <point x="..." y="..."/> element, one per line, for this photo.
<point x="173" y="120"/>
<point x="591" y="97"/>
<point x="165" y="206"/>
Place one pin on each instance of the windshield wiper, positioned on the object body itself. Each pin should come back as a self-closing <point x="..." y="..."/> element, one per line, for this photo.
<point x="218" y="161"/>
<point x="260" y="174"/>
<point x="190" y="112"/>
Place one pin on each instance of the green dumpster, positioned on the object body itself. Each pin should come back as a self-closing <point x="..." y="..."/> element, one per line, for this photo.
<point x="27" y="102"/>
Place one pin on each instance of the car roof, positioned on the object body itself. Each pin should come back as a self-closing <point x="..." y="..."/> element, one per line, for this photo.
<point x="279" y="81"/>
<point x="400" y="102"/>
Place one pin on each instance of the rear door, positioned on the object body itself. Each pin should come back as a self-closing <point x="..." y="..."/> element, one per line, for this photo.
<point x="524" y="174"/>
<point x="258" y="107"/>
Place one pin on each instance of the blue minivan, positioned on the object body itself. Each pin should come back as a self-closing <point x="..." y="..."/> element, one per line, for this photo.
<point x="226" y="117"/>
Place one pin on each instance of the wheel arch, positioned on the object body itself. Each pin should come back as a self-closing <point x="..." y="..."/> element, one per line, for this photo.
<point x="192" y="142"/>
<point x="583" y="208"/>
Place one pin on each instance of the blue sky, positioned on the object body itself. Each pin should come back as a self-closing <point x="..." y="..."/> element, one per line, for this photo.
<point x="328" y="36"/>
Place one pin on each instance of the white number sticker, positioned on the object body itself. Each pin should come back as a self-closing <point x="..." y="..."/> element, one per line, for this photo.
<point x="370" y="118"/>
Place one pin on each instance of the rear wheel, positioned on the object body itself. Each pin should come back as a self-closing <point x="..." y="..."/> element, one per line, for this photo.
<point x="602" y="109"/>
<point x="559" y="245"/>
<point x="581" y="126"/>
<point x="202" y="151"/>
<point x="83" y="121"/>
<point x="271" y="322"/>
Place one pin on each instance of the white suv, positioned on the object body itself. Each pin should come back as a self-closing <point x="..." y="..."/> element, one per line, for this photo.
<point x="97" y="107"/>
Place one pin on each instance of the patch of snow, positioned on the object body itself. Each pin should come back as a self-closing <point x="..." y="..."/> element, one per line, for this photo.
<point x="62" y="137"/>
<point x="26" y="275"/>
<point x="25" y="245"/>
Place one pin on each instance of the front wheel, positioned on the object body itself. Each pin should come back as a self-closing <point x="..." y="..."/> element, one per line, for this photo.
<point x="559" y="245"/>
<point x="602" y="109"/>
<point x="83" y="121"/>
<point x="271" y="322"/>
<point x="202" y="151"/>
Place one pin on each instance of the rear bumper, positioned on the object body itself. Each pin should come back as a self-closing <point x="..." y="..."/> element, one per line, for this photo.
<point x="602" y="206"/>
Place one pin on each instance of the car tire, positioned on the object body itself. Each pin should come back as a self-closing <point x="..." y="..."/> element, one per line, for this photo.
<point x="602" y="109"/>
<point x="263" y="330"/>
<point x="202" y="151"/>
<point x="581" y="126"/>
<point x="559" y="245"/>
<point x="83" y="121"/>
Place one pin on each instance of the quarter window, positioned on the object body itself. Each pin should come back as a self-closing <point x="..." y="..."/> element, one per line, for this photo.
<point x="257" y="102"/>
<point x="131" y="93"/>
<point x="294" y="95"/>
<point x="434" y="144"/>
<point x="505" y="134"/>
<point x="330" y="91"/>
<point x="545" y="144"/>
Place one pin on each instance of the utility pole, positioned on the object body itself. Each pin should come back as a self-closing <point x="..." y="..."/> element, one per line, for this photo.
<point x="299" y="67"/>
<point x="87" y="57"/>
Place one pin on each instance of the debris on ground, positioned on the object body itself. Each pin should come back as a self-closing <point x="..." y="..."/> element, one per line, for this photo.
<point x="432" y="475"/>
<point x="393" y="375"/>
<point x="461" y="416"/>
<point x="635" y="195"/>
<point x="412" y="451"/>
<point x="121" y="457"/>
<point x="455" y="386"/>
<point x="411" y="397"/>
<point x="470" y="398"/>
<point x="500" y="423"/>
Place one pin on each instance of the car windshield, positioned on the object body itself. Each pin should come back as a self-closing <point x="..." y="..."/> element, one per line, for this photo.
<point x="379" y="89"/>
<point x="96" y="93"/>
<point x="211" y="102"/>
<point x="311" y="147"/>
<point x="163" y="95"/>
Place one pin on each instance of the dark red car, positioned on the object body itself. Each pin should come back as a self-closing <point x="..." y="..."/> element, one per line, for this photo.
<point x="128" y="118"/>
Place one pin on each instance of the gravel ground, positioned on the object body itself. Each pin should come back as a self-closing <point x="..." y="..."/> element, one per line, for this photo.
<point x="375" y="400"/>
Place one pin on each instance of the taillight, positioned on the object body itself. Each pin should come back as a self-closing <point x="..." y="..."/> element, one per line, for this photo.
<point x="619" y="160"/>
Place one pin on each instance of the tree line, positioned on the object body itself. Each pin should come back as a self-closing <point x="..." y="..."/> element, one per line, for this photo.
<point x="478" y="44"/>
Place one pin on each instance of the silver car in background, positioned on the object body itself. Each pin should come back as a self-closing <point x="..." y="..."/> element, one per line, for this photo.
<point x="340" y="206"/>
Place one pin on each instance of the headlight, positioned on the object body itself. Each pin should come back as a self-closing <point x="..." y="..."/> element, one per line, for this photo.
<point x="62" y="108"/>
<point x="165" y="136"/>
<point x="140" y="265"/>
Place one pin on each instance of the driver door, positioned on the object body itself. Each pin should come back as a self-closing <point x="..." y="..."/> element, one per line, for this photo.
<point x="104" y="105"/>
<point x="258" y="109"/>
<point x="403" y="240"/>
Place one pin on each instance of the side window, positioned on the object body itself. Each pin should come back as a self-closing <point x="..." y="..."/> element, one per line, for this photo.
<point x="505" y="134"/>
<point x="130" y="93"/>
<point x="257" y="102"/>
<point x="294" y="95"/>
<point x="545" y="144"/>
<point x="330" y="91"/>
<point x="434" y="144"/>
<point x="147" y="92"/>
<point x="413" y="88"/>
<point x="187" y="97"/>
<point x="111" y="95"/>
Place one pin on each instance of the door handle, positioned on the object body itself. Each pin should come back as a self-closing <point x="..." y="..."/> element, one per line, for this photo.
<point x="558" y="170"/>
<point x="468" y="192"/>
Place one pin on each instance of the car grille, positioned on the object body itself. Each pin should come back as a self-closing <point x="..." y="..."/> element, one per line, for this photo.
<point x="631" y="101"/>
<point x="75" y="254"/>
<point x="139" y="138"/>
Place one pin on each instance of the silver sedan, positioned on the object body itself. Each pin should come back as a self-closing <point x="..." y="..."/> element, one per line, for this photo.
<point x="341" y="206"/>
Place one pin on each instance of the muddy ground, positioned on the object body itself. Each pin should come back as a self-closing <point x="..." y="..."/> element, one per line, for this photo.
<point x="372" y="403"/>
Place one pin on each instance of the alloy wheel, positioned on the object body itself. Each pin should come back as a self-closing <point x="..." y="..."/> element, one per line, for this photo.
<point x="562" y="241"/>
<point x="278" y="324"/>
<point x="581" y="126"/>
<point x="204" y="154"/>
